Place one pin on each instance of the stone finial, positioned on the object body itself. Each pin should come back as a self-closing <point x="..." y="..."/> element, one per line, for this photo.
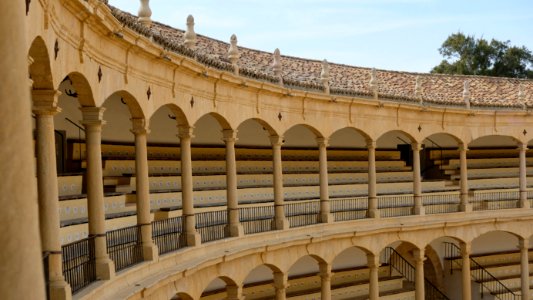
<point x="466" y="93"/>
<point x="276" y="64"/>
<point x="373" y="83"/>
<point x="233" y="53"/>
<point x="145" y="13"/>
<point x="190" y="35"/>
<point x="324" y="75"/>
<point x="418" y="89"/>
<point x="522" y="96"/>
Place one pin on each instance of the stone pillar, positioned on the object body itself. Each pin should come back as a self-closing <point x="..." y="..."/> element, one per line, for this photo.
<point x="419" y="274"/>
<point x="373" y="268"/>
<point x="373" y="211"/>
<point x="280" y="222"/>
<point x="44" y="108"/>
<point x="192" y="237"/>
<point x="524" y="203"/>
<point x="465" y="272"/>
<point x="144" y="218"/>
<point x="234" y="292"/>
<point x="325" y="280"/>
<point x="21" y="271"/>
<point x="234" y="227"/>
<point x="93" y="121"/>
<point x="417" y="180"/>
<point x="280" y="284"/>
<point x="465" y="205"/>
<point x="523" y="244"/>
<point x="325" y="214"/>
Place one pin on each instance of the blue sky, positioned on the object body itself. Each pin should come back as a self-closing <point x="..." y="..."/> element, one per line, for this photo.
<point x="399" y="35"/>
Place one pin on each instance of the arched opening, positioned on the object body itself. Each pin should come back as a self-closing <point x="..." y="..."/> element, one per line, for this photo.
<point x="181" y="296"/>
<point x="220" y="288"/>
<point x="446" y="266"/>
<point x="259" y="283"/>
<point x="303" y="277"/>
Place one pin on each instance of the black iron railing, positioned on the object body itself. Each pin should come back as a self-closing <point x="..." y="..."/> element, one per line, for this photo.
<point x="257" y="219"/>
<point x="487" y="281"/>
<point x="167" y="234"/>
<point x="212" y="225"/>
<point x="349" y="208"/>
<point x="124" y="246"/>
<point x="395" y="206"/>
<point x="79" y="263"/>
<point x="441" y="203"/>
<point x="496" y="200"/>
<point x="402" y="266"/>
<point x="303" y="213"/>
<point x="46" y="269"/>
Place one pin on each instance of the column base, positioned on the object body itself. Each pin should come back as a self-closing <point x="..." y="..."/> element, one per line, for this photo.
<point x="281" y="224"/>
<point x="193" y="239"/>
<point x="60" y="290"/>
<point x="419" y="210"/>
<point x="326" y="218"/>
<point x="465" y="207"/>
<point x="105" y="269"/>
<point x="373" y="213"/>
<point x="524" y="202"/>
<point x="234" y="230"/>
<point x="150" y="252"/>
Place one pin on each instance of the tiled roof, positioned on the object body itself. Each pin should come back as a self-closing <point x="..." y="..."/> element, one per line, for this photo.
<point x="344" y="80"/>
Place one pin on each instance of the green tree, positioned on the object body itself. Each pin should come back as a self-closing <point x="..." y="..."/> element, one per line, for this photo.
<point x="464" y="54"/>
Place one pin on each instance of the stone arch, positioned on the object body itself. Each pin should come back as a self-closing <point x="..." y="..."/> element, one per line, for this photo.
<point x="262" y="273"/>
<point x="507" y="240"/>
<point x="40" y="68"/>
<point x="219" y="118"/>
<point x="130" y="101"/>
<point x="270" y="131"/>
<point x="178" y="114"/>
<point x="350" y="131"/>
<point x="436" y="253"/>
<point x="489" y="140"/>
<point x="208" y="129"/>
<point x="182" y="296"/>
<point x="312" y="129"/>
<point x="82" y="89"/>
<point x="448" y="138"/>
<point x="213" y="285"/>
<point x="340" y="262"/>
<point x="402" y="136"/>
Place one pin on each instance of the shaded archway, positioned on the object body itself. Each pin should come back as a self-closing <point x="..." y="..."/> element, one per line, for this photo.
<point x="181" y="296"/>
<point x="221" y="286"/>
<point x="303" y="275"/>
<point x="259" y="283"/>
<point x="40" y="69"/>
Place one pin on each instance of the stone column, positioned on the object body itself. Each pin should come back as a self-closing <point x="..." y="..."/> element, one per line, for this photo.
<point x="325" y="280"/>
<point x="144" y="218"/>
<point x="280" y="222"/>
<point x="44" y="108"/>
<point x="523" y="244"/>
<point x="93" y="121"/>
<point x="465" y="205"/>
<point x="325" y="215"/>
<point x="417" y="180"/>
<point x="280" y="284"/>
<point x="524" y="203"/>
<point x="21" y="271"/>
<point x="234" y="292"/>
<point x="234" y="227"/>
<point x="192" y="237"/>
<point x="419" y="274"/>
<point x="373" y="211"/>
<point x="373" y="268"/>
<point x="465" y="272"/>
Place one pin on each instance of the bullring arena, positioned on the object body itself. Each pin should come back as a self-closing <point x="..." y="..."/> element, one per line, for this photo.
<point x="170" y="165"/>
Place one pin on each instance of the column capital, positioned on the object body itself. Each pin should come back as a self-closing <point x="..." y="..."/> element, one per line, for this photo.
<point x="416" y="146"/>
<point x="419" y="255"/>
<point x="466" y="248"/>
<point x="523" y="243"/>
<point x="276" y="140"/>
<point x="325" y="269"/>
<point x="280" y="280"/>
<point x="93" y="115"/>
<point x="139" y="126"/>
<point x="322" y="142"/>
<point x="185" y="132"/>
<point x="229" y="135"/>
<point x="463" y="147"/>
<point x="371" y="144"/>
<point x="45" y="102"/>
<point x="522" y="146"/>
<point x="372" y="260"/>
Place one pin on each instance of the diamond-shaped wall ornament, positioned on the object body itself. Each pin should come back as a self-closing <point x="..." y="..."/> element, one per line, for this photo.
<point x="524" y="132"/>
<point x="56" y="49"/>
<point x="100" y="74"/>
<point x="192" y="101"/>
<point x="149" y="93"/>
<point x="28" y="6"/>
<point x="280" y="116"/>
<point x="419" y="128"/>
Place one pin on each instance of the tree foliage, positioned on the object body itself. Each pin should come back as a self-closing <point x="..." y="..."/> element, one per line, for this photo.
<point x="464" y="54"/>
